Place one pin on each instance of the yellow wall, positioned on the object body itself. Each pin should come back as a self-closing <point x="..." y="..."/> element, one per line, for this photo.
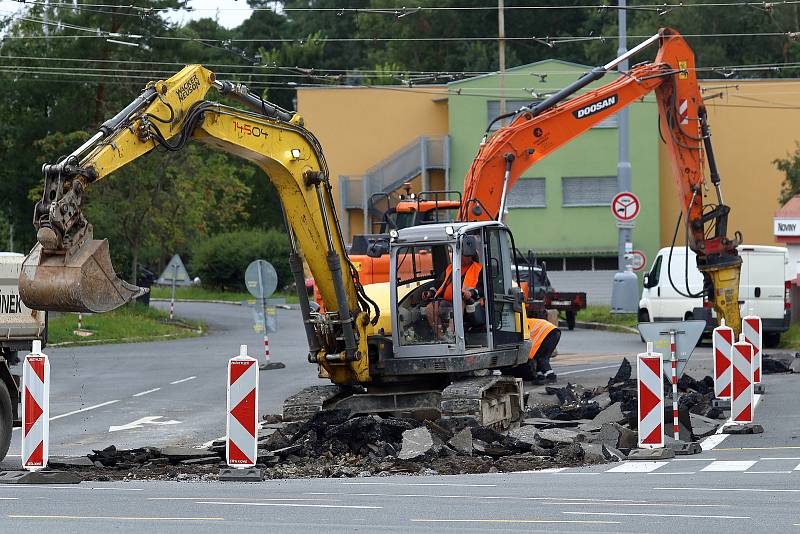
<point x="752" y="123"/>
<point x="361" y="126"/>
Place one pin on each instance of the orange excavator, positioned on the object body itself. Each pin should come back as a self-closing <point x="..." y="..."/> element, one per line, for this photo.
<point x="537" y="130"/>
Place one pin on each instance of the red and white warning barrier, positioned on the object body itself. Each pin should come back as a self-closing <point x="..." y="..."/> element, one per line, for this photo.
<point x="742" y="382"/>
<point x="35" y="409"/>
<point x="266" y="342"/>
<point x="676" y="431"/>
<point x="751" y="328"/>
<point x="242" y="425"/>
<point x="723" y="345"/>
<point x="651" y="398"/>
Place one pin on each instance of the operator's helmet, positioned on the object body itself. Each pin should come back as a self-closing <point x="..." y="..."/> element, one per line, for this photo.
<point x="469" y="246"/>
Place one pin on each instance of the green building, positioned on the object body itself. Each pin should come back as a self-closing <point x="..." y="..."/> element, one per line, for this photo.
<point x="560" y="208"/>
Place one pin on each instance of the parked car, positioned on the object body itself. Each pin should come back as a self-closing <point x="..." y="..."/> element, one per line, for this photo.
<point x="763" y="289"/>
<point x="540" y="295"/>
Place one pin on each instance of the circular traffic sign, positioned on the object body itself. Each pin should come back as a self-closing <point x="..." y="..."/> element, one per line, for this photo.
<point x="638" y="260"/>
<point x="625" y="206"/>
<point x="261" y="279"/>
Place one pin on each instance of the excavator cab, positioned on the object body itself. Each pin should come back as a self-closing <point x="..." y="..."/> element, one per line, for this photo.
<point x="448" y="307"/>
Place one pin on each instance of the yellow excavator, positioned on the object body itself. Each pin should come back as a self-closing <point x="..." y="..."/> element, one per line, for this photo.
<point x="426" y="340"/>
<point x="378" y="344"/>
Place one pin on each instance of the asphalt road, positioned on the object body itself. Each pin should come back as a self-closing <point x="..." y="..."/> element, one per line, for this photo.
<point x="745" y="484"/>
<point x="741" y="483"/>
<point x="177" y="387"/>
<point x="173" y="392"/>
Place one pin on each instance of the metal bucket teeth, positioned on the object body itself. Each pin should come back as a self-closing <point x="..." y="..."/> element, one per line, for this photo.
<point x="81" y="281"/>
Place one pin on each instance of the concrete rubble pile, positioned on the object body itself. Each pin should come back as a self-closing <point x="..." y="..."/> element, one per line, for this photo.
<point x="562" y="427"/>
<point x="780" y="363"/>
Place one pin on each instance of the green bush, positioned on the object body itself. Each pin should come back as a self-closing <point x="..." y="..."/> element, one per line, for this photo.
<point x="220" y="261"/>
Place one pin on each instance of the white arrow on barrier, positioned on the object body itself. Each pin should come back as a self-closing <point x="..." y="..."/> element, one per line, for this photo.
<point x="139" y="423"/>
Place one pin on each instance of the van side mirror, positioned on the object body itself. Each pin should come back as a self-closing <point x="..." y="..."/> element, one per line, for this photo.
<point x="646" y="280"/>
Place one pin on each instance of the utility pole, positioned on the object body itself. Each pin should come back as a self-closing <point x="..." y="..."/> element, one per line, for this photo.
<point x="501" y="49"/>
<point x="623" y="161"/>
<point x="624" y="291"/>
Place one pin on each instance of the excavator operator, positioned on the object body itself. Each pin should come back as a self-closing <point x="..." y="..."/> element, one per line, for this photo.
<point x="439" y="310"/>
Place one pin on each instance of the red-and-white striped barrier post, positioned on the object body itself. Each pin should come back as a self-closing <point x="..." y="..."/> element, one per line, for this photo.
<point x="266" y="341"/>
<point x="242" y="425"/>
<point x="742" y="382"/>
<point x="35" y="409"/>
<point x="172" y="299"/>
<point x="674" y="361"/>
<point x="753" y="334"/>
<point x="722" y="341"/>
<point x="649" y="366"/>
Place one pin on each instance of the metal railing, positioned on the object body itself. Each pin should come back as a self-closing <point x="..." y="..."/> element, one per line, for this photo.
<point x="415" y="159"/>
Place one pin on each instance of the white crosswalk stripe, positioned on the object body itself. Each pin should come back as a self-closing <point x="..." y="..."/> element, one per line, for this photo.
<point x="636" y="467"/>
<point x="729" y="465"/>
<point x="687" y="466"/>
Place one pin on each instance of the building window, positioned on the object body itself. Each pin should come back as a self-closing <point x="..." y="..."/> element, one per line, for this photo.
<point x="588" y="190"/>
<point x="608" y="122"/>
<point x="606" y="263"/>
<point x="527" y="193"/>
<point x="493" y="111"/>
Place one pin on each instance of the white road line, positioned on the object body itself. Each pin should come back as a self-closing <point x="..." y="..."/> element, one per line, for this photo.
<point x="797" y="468"/>
<point x="183" y="380"/>
<point x="571" y="500"/>
<point x="754" y="490"/>
<point x="729" y="465"/>
<point x="292" y="505"/>
<point x="661" y="515"/>
<point x="718" y="437"/>
<point x="229" y="498"/>
<point x="146" y="392"/>
<point x="637" y="467"/>
<point x="560" y="373"/>
<point x="114" y="518"/>
<point x="85" y="409"/>
<point x="83" y="488"/>
<point x="9" y="498"/>
<point x="712" y="441"/>
<point x="515" y="521"/>
<point x="418" y="484"/>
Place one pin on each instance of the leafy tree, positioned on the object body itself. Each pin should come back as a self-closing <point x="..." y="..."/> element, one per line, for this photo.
<point x="791" y="169"/>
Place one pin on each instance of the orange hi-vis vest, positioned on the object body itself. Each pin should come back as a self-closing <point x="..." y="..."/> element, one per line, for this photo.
<point x="470" y="279"/>
<point x="539" y="329"/>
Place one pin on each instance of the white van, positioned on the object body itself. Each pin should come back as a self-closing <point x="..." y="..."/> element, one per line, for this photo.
<point x="763" y="288"/>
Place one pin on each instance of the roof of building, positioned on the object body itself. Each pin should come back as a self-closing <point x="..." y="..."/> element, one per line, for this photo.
<point x="523" y="67"/>
<point x="790" y="210"/>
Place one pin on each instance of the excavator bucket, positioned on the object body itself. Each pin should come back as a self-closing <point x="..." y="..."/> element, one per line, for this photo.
<point x="80" y="280"/>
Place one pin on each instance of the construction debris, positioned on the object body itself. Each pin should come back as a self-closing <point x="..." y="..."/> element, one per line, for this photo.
<point x="566" y="426"/>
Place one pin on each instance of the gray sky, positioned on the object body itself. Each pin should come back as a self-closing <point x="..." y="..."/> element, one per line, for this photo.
<point x="229" y="13"/>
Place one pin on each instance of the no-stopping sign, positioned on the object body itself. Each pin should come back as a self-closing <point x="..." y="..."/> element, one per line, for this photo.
<point x="638" y="260"/>
<point x="625" y="206"/>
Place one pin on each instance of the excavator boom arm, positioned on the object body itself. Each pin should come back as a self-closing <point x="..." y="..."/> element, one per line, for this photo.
<point x="539" y="129"/>
<point x="69" y="271"/>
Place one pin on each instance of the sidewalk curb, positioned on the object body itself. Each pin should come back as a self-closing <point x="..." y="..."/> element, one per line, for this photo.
<point x="232" y="302"/>
<point x="156" y="339"/>
<point x="601" y="326"/>
<point x="203" y="301"/>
